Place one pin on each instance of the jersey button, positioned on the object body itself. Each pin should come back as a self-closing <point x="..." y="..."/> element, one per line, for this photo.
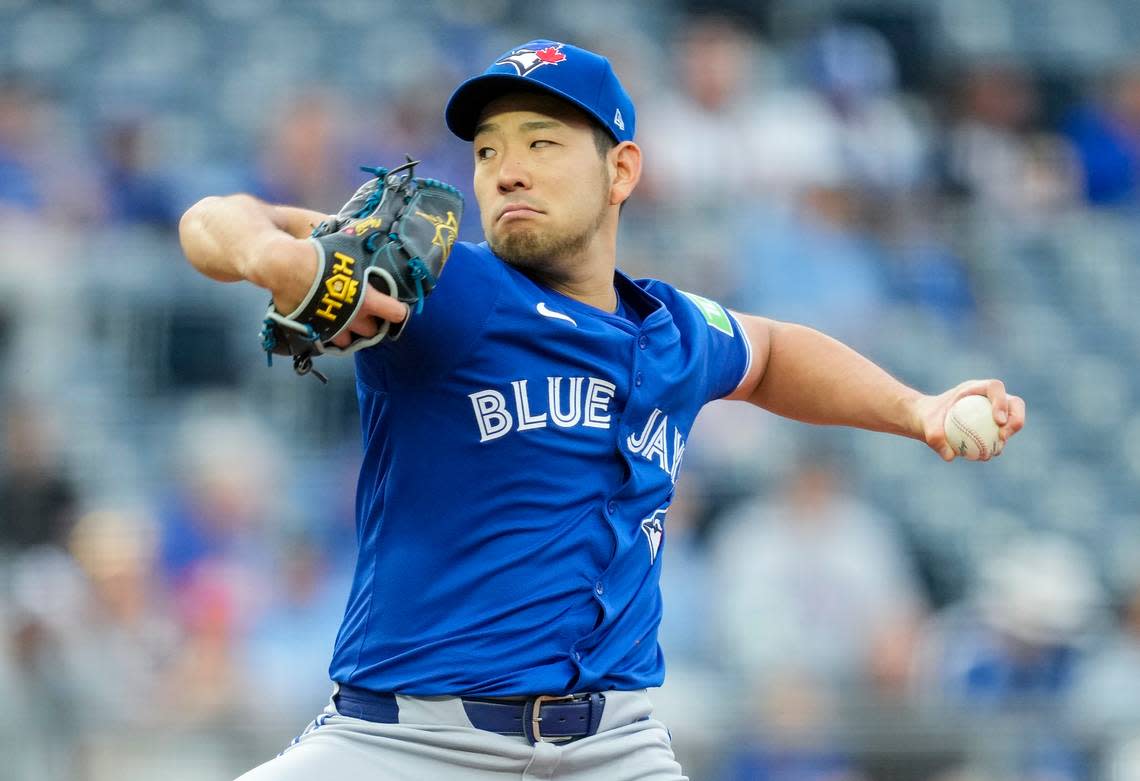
<point x="611" y="508"/>
<point x="643" y="341"/>
<point x="577" y="656"/>
<point x="637" y="380"/>
<point x="599" y="589"/>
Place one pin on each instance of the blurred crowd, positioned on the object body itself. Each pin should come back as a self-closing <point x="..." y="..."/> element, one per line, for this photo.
<point x="176" y="531"/>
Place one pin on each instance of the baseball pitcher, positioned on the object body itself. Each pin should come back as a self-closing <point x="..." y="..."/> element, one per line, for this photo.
<point x="524" y="410"/>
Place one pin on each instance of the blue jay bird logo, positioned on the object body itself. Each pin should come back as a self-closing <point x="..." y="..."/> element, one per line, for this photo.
<point x="654" y="529"/>
<point x="526" y="61"/>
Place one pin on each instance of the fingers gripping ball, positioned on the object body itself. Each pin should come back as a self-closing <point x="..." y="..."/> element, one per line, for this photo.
<point x="971" y="430"/>
<point x="395" y="234"/>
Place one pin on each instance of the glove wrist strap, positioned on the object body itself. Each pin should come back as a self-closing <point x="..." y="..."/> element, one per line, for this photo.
<point x="336" y="295"/>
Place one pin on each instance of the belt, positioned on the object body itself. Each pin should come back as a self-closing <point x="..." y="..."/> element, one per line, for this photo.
<point x="544" y="718"/>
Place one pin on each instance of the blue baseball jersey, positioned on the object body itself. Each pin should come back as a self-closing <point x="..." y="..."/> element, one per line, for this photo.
<point x="520" y="453"/>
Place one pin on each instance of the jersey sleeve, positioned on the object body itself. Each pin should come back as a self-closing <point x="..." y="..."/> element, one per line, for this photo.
<point x="718" y="339"/>
<point x="452" y="318"/>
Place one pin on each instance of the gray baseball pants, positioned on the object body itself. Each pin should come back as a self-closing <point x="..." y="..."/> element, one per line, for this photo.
<point x="435" y="741"/>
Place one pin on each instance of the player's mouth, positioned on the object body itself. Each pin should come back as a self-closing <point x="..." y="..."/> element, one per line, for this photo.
<point x="516" y="211"/>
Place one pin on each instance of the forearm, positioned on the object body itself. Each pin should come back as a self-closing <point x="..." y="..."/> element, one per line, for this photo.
<point x="815" y="379"/>
<point x="221" y="235"/>
<point x="238" y="237"/>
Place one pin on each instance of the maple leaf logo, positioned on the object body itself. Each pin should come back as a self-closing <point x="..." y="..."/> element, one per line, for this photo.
<point x="526" y="61"/>
<point x="550" y="55"/>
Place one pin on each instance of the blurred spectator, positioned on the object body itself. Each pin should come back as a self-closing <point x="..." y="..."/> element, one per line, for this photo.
<point x="879" y="146"/>
<point x="924" y="269"/>
<point x="813" y="585"/>
<point x="1018" y="639"/>
<point x="210" y="608"/>
<point x="793" y="734"/>
<point x="45" y="600"/>
<point x="816" y="265"/>
<point x="137" y="190"/>
<point x="1106" y="694"/>
<point x="994" y="108"/>
<point x="721" y="134"/>
<point x="994" y="152"/>
<point x="38" y="498"/>
<point x="1106" y="134"/>
<point x="19" y="185"/>
<point x="1013" y="649"/>
<point x="213" y="552"/>
<point x="286" y="650"/>
<point x="220" y="499"/>
<point x="40" y="166"/>
<point x="302" y="159"/>
<point x="126" y="618"/>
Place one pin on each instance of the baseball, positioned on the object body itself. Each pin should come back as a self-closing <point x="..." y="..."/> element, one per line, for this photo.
<point x="971" y="430"/>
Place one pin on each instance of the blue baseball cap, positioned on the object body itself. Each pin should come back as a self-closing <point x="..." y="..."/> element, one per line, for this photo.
<point x="574" y="74"/>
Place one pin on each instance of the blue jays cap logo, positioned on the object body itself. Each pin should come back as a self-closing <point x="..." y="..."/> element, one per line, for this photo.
<point x="584" y="78"/>
<point x="526" y="61"/>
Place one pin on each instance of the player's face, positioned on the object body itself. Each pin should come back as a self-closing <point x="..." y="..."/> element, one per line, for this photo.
<point x="542" y="186"/>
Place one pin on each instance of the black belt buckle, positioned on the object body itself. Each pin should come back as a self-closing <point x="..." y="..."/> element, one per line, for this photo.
<point x="532" y="716"/>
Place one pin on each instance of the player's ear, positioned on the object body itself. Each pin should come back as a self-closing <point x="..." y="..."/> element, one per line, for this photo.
<point x="624" y="162"/>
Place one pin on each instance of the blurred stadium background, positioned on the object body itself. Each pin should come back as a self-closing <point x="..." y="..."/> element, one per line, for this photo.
<point x="952" y="186"/>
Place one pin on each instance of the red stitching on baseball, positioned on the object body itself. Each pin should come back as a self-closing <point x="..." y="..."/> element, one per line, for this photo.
<point x="983" y="451"/>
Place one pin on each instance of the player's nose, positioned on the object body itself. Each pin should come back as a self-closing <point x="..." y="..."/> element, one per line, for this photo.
<point x="513" y="174"/>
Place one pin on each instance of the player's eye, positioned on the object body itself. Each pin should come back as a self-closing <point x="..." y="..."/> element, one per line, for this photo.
<point x="542" y="142"/>
<point x="484" y="152"/>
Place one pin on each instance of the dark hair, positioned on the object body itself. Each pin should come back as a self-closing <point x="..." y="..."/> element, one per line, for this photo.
<point x="603" y="140"/>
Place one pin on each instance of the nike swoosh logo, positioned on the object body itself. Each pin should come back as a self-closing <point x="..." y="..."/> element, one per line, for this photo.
<point x="547" y="312"/>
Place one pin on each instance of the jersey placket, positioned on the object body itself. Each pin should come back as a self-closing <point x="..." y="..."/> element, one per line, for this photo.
<point x="646" y="344"/>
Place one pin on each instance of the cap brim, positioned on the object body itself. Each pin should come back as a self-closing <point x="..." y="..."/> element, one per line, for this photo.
<point x="472" y="96"/>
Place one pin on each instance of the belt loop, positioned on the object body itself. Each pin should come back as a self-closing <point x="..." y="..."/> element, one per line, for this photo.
<point x="597" y="705"/>
<point x="528" y="719"/>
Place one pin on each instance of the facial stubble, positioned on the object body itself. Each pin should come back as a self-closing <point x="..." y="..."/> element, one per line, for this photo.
<point x="546" y="254"/>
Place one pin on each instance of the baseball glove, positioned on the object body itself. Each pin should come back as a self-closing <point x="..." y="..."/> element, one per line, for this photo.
<point x="395" y="233"/>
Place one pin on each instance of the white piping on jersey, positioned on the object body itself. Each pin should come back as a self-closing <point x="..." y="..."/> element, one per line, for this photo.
<point x="747" y="349"/>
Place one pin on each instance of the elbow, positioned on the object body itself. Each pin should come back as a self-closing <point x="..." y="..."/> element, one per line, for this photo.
<point x="217" y="234"/>
<point x="203" y="236"/>
<point x="193" y="215"/>
<point x="191" y="226"/>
